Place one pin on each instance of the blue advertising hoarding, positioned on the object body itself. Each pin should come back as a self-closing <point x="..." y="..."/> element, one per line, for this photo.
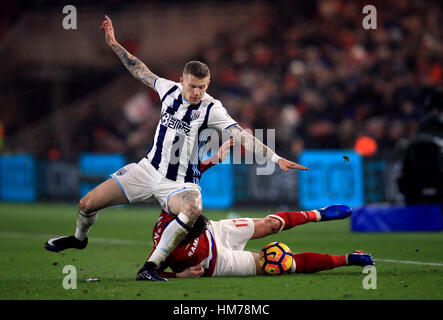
<point x="96" y="168"/>
<point x="334" y="177"/>
<point x="217" y="186"/>
<point x="17" y="178"/>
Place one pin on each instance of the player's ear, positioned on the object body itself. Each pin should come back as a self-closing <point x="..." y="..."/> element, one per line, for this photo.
<point x="181" y="80"/>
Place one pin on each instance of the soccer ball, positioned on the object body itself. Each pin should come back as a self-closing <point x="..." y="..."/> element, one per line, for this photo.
<point x="275" y="258"/>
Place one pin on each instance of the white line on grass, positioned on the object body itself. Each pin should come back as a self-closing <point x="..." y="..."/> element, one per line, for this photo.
<point x="142" y="243"/>
<point x="92" y="239"/>
<point x="410" y="262"/>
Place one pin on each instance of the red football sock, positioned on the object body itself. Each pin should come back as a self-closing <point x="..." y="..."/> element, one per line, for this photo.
<point x="308" y="262"/>
<point x="291" y="219"/>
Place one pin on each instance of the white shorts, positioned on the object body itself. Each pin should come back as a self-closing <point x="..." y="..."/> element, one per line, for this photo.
<point x="140" y="182"/>
<point x="231" y="236"/>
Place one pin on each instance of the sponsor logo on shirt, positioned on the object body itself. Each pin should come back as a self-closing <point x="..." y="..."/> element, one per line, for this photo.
<point x="171" y="122"/>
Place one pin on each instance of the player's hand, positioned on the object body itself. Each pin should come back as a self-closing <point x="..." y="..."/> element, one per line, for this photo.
<point x="287" y="165"/>
<point x="109" y="31"/>
<point x="191" y="272"/>
<point x="225" y="149"/>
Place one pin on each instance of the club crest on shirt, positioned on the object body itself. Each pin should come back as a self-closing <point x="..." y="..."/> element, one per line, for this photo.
<point x="121" y="172"/>
<point x="195" y="114"/>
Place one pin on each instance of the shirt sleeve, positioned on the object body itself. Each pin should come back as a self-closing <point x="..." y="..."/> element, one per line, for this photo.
<point x="166" y="274"/>
<point x="162" y="86"/>
<point x="219" y="118"/>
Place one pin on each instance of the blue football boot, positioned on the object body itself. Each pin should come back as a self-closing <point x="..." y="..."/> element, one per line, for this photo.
<point x="359" y="258"/>
<point x="334" y="212"/>
<point x="149" y="273"/>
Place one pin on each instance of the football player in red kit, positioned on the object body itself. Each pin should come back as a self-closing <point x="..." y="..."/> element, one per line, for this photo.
<point x="216" y="248"/>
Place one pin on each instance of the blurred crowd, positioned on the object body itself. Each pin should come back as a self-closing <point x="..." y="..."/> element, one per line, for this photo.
<point x="311" y="72"/>
<point x="322" y="81"/>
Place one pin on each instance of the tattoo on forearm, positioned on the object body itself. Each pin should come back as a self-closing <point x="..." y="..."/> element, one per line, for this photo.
<point x="128" y="61"/>
<point x="137" y="68"/>
<point x="251" y="143"/>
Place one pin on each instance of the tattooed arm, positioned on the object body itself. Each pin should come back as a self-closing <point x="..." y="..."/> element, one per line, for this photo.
<point x="252" y="144"/>
<point x="137" y="68"/>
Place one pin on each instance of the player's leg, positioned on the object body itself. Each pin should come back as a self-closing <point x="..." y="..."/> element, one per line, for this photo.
<point x="236" y="263"/>
<point x="279" y="221"/>
<point x="104" y="195"/>
<point x="290" y="219"/>
<point x="266" y="226"/>
<point x="309" y="262"/>
<point x="187" y="205"/>
<point x="258" y="270"/>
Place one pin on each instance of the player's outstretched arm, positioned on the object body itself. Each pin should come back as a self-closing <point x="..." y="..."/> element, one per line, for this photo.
<point x="252" y="144"/>
<point x="221" y="155"/>
<point x="137" y="68"/>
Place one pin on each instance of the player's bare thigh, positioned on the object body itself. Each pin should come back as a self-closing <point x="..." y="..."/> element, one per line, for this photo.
<point x="265" y="226"/>
<point x="104" y="195"/>
<point x="188" y="202"/>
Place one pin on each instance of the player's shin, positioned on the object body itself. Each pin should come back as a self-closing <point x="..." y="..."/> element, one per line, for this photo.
<point x="84" y="224"/>
<point x="173" y="234"/>
<point x="309" y="262"/>
<point x="292" y="219"/>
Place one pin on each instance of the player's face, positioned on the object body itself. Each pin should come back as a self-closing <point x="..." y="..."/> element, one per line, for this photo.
<point x="194" y="88"/>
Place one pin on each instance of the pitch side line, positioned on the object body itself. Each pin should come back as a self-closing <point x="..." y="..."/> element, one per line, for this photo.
<point x="93" y="239"/>
<point x="410" y="262"/>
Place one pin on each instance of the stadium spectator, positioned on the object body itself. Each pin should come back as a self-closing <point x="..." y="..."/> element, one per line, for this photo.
<point x="319" y="62"/>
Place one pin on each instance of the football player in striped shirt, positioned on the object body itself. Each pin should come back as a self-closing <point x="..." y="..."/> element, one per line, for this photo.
<point x="171" y="169"/>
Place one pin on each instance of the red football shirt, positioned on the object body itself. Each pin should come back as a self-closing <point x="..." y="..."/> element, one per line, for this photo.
<point x="186" y="254"/>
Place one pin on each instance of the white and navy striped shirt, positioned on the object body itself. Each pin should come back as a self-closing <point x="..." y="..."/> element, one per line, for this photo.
<point x="178" y="137"/>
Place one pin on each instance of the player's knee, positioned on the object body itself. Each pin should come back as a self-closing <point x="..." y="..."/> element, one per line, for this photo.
<point x="86" y="205"/>
<point x="273" y="225"/>
<point x="192" y="204"/>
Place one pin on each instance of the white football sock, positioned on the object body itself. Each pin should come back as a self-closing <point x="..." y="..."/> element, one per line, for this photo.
<point x="174" y="233"/>
<point x="84" y="224"/>
<point x="293" y="267"/>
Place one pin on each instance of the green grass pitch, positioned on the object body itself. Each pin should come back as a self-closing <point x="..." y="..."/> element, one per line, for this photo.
<point x="121" y="240"/>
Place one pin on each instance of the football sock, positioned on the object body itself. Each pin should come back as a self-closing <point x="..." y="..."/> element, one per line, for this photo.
<point x="84" y="224"/>
<point x="173" y="234"/>
<point x="308" y="262"/>
<point x="291" y="219"/>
